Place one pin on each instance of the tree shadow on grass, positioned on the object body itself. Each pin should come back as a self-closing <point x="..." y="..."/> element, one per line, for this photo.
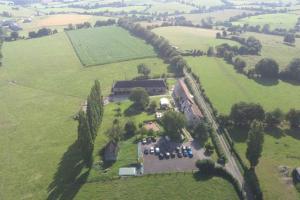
<point x="295" y="133"/>
<point x="198" y="176"/>
<point x="70" y="175"/>
<point x="275" y="132"/>
<point x="239" y="134"/>
<point x="132" y="110"/>
<point x="267" y="81"/>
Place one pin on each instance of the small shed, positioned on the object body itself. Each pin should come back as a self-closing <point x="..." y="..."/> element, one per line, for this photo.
<point x="111" y="151"/>
<point x="298" y="173"/>
<point x="164" y="103"/>
<point x="127" y="171"/>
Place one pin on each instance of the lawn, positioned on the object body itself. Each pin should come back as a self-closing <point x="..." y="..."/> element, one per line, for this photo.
<point x="218" y="77"/>
<point x="273" y="47"/>
<point x="186" y="38"/>
<point x="108" y="45"/>
<point x="279" y="20"/>
<point x="169" y="186"/>
<point x="40" y="92"/>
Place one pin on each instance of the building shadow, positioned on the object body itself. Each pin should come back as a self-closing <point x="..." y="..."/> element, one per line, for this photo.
<point x="71" y="174"/>
<point x="132" y="110"/>
<point x="198" y="176"/>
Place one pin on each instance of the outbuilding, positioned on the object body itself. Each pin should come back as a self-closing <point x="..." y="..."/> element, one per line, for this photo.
<point x="164" y="103"/>
<point x="127" y="171"/>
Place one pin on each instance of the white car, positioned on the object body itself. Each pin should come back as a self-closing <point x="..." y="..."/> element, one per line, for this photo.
<point x="144" y="141"/>
<point x="151" y="150"/>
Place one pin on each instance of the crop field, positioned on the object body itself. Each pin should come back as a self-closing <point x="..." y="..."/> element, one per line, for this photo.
<point x="273" y="47"/>
<point x="225" y="87"/>
<point x="38" y="103"/>
<point x="186" y="186"/>
<point x="107" y="45"/>
<point x="186" y="38"/>
<point x="216" y="16"/>
<point x="169" y="7"/>
<point x="279" y="20"/>
<point x="217" y="77"/>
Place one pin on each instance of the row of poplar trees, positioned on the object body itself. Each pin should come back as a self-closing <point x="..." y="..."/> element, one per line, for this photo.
<point x="89" y="122"/>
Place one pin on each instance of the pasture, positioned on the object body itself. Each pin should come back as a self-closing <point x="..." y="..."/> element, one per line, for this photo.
<point x="169" y="7"/>
<point x="207" y="3"/>
<point x="218" y="77"/>
<point x="279" y="20"/>
<point x="225" y="87"/>
<point x="40" y="93"/>
<point x="215" y="16"/>
<point x="273" y="47"/>
<point x="107" y="45"/>
<point x="168" y="186"/>
<point x="187" y="38"/>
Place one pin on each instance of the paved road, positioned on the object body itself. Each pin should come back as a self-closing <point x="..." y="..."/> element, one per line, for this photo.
<point x="231" y="165"/>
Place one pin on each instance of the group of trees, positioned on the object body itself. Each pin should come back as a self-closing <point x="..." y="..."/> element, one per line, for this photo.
<point x="140" y="98"/>
<point x="162" y="46"/>
<point x="144" y="70"/>
<point x="89" y="122"/>
<point x="41" y="32"/>
<point x="173" y="122"/>
<point x="108" y="22"/>
<point x="202" y="131"/>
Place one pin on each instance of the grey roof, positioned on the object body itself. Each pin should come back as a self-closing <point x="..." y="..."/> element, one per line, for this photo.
<point x="141" y="83"/>
<point x="127" y="171"/>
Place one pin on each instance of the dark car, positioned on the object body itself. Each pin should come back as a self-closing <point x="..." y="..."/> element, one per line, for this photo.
<point x="179" y="155"/>
<point x="161" y="156"/>
<point x="178" y="149"/>
<point x="173" y="155"/>
<point x="185" y="153"/>
<point x="190" y="153"/>
<point x="146" y="151"/>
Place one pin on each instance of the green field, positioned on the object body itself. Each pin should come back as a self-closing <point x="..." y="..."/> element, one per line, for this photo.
<point x="279" y="20"/>
<point x="273" y="47"/>
<point x="118" y="45"/>
<point x="225" y="87"/>
<point x="40" y="92"/>
<point x="207" y="3"/>
<point x="186" y="38"/>
<point x="169" y="7"/>
<point x="169" y="186"/>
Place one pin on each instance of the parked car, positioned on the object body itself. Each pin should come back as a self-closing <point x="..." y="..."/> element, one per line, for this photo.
<point x="161" y="156"/>
<point x="157" y="150"/>
<point x="183" y="147"/>
<point x="188" y="148"/>
<point x="149" y="140"/>
<point x="144" y="141"/>
<point x="151" y="150"/>
<point x="190" y="153"/>
<point x="179" y="155"/>
<point x="184" y="152"/>
<point x="167" y="155"/>
<point x="177" y="149"/>
<point x="146" y="151"/>
<point x="173" y="155"/>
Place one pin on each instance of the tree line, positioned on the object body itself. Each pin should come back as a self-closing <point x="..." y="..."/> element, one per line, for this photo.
<point x="89" y="122"/>
<point x="161" y="45"/>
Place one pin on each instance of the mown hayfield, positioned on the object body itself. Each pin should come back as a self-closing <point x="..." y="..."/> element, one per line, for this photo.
<point x="279" y="20"/>
<point x="187" y="38"/>
<point x="107" y="45"/>
<point x="40" y="92"/>
<point x="273" y="47"/>
<point x="216" y="16"/>
<point x="63" y="19"/>
<point x="169" y="186"/>
<point x="225" y="87"/>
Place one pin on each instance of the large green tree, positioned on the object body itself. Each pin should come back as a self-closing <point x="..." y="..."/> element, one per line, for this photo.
<point x="293" y="116"/>
<point x="274" y="118"/>
<point x="202" y="131"/>
<point x="255" y="143"/>
<point x="140" y="98"/>
<point x="267" y="67"/>
<point x="173" y="122"/>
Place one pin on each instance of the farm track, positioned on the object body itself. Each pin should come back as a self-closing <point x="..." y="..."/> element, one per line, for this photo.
<point x="232" y="165"/>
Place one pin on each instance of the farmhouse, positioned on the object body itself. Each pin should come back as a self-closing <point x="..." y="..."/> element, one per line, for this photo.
<point x="152" y="86"/>
<point x="186" y="103"/>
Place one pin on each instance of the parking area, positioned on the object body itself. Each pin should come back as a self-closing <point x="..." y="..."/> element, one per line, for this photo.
<point x="171" y="156"/>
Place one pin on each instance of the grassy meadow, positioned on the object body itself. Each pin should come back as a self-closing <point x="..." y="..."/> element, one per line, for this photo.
<point x="118" y="45"/>
<point x="273" y="47"/>
<point x="278" y="20"/>
<point x="169" y="186"/>
<point x="187" y="38"/>
<point x="218" y="77"/>
<point x="225" y="87"/>
<point x="40" y="92"/>
<point x="169" y="7"/>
